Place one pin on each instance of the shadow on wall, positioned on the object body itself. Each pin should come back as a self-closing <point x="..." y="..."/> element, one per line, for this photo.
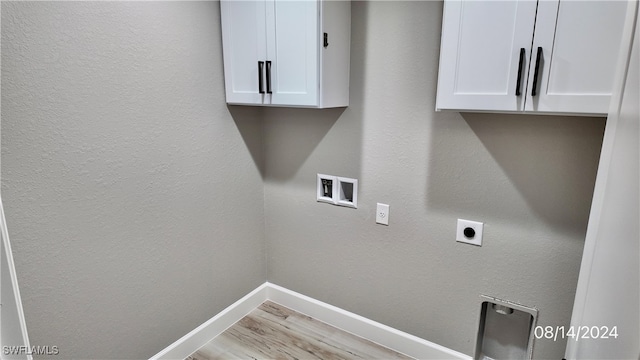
<point x="250" y="124"/>
<point x="293" y="134"/>
<point x="547" y="162"/>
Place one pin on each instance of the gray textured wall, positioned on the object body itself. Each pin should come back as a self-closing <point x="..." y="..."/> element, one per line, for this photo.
<point x="528" y="178"/>
<point x="134" y="207"/>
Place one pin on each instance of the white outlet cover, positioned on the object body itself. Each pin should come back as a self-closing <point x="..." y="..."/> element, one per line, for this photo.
<point x="476" y="226"/>
<point x="382" y="214"/>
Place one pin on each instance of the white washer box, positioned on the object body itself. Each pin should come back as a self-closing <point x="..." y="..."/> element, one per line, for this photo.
<point x="337" y="190"/>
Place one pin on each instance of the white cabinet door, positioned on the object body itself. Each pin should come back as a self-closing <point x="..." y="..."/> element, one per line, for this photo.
<point x="480" y="55"/>
<point x="580" y="43"/>
<point x="292" y="49"/>
<point x="244" y="45"/>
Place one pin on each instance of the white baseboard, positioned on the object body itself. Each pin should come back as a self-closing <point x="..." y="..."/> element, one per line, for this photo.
<point x="371" y="330"/>
<point x="213" y="327"/>
<point x="384" y="335"/>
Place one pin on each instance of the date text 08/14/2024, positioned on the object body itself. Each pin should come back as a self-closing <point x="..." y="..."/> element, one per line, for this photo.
<point x="575" y="332"/>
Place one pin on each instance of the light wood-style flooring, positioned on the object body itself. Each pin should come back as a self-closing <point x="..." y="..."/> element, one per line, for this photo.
<point x="272" y="331"/>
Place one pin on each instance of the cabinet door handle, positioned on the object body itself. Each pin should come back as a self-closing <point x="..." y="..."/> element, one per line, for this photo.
<point x="268" y="77"/>
<point x="534" y="88"/>
<point x="260" y="70"/>
<point x="520" y="65"/>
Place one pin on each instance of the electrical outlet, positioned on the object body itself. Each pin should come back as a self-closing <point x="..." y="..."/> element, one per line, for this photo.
<point x="382" y="214"/>
<point x="469" y="232"/>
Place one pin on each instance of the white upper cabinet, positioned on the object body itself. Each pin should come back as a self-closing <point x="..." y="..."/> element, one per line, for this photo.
<point x="544" y="56"/>
<point x="286" y="52"/>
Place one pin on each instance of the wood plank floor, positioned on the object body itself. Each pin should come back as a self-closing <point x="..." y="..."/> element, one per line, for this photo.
<point x="272" y="331"/>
